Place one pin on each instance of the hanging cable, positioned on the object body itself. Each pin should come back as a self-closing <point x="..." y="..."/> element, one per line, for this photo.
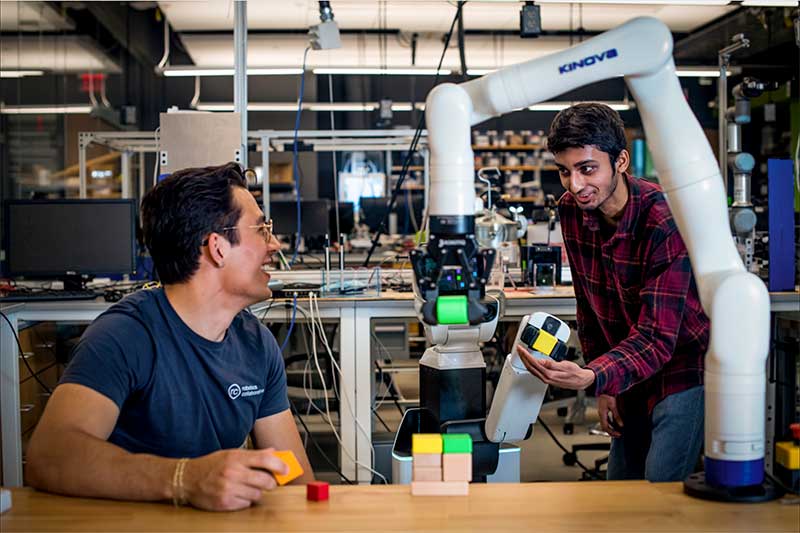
<point x="412" y="148"/>
<point x="291" y="324"/>
<point x="295" y="155"/>
<point x="583" y="467"/>
<point x="165" y="58"/>
<point x="22" y="355"/>
<point x="196" y="97"/>
<point x="333" y="153"/>
<point x="103" y="97"/>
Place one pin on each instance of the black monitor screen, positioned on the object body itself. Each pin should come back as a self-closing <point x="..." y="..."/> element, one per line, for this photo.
<point x="58" y="237"/>
<point x="314" y="217"/>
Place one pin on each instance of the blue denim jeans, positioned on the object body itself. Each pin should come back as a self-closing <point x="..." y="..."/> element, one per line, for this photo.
<point x="663" y="446"/>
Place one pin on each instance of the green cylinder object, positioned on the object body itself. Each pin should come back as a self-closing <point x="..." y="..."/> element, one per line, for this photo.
<point x="452" y="310"/>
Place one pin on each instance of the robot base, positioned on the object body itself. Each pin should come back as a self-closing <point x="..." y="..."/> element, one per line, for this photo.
<point x="696" y="486"/>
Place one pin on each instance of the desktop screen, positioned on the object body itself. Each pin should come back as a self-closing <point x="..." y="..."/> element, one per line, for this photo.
<point x="58" y="237"/>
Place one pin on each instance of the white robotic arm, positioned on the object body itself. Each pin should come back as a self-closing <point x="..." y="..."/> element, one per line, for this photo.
<point x="519" y="395"/>
<point x="736" y="302"/>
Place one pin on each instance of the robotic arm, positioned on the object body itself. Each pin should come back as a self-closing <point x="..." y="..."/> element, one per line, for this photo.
<point x="736" y="301"/>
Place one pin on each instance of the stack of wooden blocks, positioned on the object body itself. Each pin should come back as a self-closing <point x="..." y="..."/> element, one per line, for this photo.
<point x="442" y="464"/>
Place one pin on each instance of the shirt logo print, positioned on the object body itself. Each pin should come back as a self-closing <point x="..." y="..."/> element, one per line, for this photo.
<point x="234" y="391"/>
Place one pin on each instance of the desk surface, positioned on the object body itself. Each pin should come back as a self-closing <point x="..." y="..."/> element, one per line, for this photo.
<point x="584" y="506"/>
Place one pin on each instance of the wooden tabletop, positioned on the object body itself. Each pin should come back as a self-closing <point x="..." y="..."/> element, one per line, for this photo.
<point x="541" y="507"/>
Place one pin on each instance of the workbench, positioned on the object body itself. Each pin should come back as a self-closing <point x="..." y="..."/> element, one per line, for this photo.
<point x="547" y="507"/>
<point x="354" y="317"/>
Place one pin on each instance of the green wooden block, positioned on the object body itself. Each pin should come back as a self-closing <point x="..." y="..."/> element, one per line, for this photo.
<point x="452" y="310"/>
<point x="456" y="443"/>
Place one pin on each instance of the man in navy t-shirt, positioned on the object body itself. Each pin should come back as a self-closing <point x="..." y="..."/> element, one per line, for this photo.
<point x="164" y="387"/>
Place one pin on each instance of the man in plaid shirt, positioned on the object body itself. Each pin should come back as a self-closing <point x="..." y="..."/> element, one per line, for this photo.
<point x="640" y="323"/>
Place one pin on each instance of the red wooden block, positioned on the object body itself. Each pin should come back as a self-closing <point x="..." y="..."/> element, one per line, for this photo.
<point x="317" y="491"/>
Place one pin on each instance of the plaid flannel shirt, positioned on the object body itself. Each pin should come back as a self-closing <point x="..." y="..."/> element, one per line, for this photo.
<point x="640" y="323"/>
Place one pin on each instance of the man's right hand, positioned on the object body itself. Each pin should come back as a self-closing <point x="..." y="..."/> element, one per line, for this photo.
<point x="228" y="480"/>
<point x="610" y="420"/>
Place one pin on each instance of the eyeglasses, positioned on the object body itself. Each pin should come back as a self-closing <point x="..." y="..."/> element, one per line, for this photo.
<point x="264" y="229"/>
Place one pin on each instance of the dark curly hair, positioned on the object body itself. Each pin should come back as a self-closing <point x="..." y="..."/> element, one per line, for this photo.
<point x="588" y="124"/>
<point x="179" y="212"/>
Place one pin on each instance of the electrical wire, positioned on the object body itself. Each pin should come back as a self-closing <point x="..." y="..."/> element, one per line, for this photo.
<point x="317" y="446"/>
<point x="314" y="309"/>
<point x="22" y="355"/>
<point x="308" y="314"/>
<point x="333" y="154"/>
<point x="413" y="147"/>
<point x="308" y="433"/>
<point x="295" y="154"/>
<point x="291" y="324"/>
<point x="583" y="467"/>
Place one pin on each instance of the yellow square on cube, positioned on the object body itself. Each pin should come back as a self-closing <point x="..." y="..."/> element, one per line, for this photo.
<point x="545" y="343"/>
<point x="426" y="443"/>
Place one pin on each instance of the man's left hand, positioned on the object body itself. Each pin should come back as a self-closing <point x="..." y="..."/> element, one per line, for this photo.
<point x="564" y="374"/>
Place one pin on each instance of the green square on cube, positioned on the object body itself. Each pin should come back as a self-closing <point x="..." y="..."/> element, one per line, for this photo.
<point x="456" y="443"/>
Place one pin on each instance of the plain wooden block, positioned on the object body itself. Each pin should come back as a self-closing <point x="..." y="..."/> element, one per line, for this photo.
<point x="439" y="488"/>
<point x="457" y="467"/>
<point x="427" y="473"/>
<point x="427" y="459"/>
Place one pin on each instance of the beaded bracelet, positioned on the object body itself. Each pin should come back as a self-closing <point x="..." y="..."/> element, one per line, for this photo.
<point x="178" y="497"/>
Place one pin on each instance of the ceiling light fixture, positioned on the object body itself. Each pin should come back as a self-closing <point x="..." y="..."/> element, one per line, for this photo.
<point x="383" y="71"/>
<point x="67" y="109"/>
<point x="188" y="72"/>
<point x="307" y="106"/>
<point x="769" y="3"/>
<point x="558" y="106"/>
<point x="20" y="73"/>
<point x="672" y="2"/>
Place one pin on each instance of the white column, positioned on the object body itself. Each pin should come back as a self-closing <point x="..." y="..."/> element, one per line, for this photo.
<point x="240" y="73"/>
<point x="9" y="403"/>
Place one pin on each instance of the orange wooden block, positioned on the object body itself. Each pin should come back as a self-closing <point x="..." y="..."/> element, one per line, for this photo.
<point x="427" y="473"/>
<point x="295" y="470"/>
<point x="427" y="459"/>
<point x="457" y="467"/>
<point x="439" y="488"/>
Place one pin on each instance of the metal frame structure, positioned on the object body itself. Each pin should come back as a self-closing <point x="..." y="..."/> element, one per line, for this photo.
<point x="141" y="142"/>
<point x="127" y="143"/>
<point x="387" y="141"/>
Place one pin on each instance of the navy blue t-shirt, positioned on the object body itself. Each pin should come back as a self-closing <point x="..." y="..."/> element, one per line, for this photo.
<point x="179" y="394"/>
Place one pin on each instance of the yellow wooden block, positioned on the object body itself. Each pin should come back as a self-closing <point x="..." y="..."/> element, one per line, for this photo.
<point x="545" y="343"/>
<point x="295" y="470"/>
<point x="788" y="455"/>
<point x="426" y="443"/>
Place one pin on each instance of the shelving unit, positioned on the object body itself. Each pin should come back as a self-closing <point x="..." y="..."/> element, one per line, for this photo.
<point x="531" y="173"/>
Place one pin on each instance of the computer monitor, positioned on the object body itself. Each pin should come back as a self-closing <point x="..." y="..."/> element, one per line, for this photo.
<point x="405" y="225"/>
<point x="314" y="217"/>
<point x="346" y="219"/>
<point x="372" y="212"/>
<point x="73" y="240"/>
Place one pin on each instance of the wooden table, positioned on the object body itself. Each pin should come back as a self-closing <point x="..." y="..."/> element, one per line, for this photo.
<point x="542" y="507"/>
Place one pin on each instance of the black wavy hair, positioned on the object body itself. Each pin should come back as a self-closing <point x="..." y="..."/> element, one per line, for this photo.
<point x="588" y="124"/>
<point x="179" y="212"/>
